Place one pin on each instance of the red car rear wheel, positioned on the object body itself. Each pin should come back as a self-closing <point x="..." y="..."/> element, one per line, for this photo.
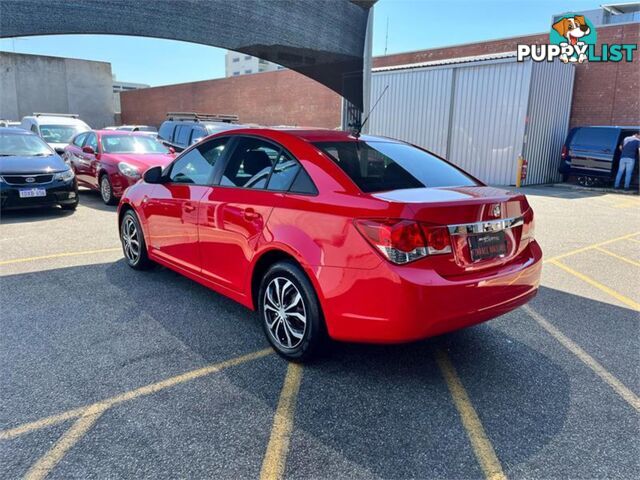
<point x="290" y="312"/>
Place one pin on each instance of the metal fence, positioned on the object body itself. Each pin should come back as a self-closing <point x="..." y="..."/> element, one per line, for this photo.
<point x="481" y="113"/>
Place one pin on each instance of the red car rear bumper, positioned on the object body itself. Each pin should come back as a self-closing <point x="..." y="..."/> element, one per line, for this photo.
<point x="392" y="304"/>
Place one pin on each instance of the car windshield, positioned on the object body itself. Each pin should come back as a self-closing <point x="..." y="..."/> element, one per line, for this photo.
<point x="381" y="166"/>
<point x="132" y="144"/>
<point x="23" y="145"/>
<point x="595" y="138"/>
<point x="60" y="133"/>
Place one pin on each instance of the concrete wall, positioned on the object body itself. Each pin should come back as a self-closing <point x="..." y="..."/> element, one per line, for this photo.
<point x="36" y="83"/>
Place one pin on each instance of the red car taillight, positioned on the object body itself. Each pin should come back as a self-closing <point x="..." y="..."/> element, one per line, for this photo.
<point x="403" y="241"/>
<point x="564" y="153"/>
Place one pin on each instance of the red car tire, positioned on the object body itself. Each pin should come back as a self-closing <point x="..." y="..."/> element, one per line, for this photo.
<point x="133" y="244"/>
<point x="290" y="312"/>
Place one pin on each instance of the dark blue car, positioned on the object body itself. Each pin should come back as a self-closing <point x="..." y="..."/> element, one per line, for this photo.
<point x="32" y="173"/>
<point x="591" y="154"/>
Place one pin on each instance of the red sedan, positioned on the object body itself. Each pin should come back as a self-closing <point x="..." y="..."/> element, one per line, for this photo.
<point x="110" y="160"/>
<point x="361" y="239"/>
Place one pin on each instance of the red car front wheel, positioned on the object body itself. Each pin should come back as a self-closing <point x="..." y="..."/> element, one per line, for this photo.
<point x="106" y="191"/>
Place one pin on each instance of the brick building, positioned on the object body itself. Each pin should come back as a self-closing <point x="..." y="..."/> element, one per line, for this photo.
<point x="605" y="93"/>
<point x="270" y="98"/>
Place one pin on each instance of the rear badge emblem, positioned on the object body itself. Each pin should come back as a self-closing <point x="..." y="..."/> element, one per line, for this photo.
<point x="496" y="211"/>
<point x="29" y="179"/>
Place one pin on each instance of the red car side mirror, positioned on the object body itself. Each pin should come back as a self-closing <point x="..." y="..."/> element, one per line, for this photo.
<point x="172" y="150"/>
<point x="88" y="149"/>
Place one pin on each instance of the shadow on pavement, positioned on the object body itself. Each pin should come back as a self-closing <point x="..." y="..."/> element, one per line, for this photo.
<point x="92" y="199"/>
<point x="33" y="214"/>
<point x="362" y="410"/>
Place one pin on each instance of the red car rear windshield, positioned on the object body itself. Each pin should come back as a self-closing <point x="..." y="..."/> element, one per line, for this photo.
<point x="132" y="144"/>
<point x="382" y="166"/>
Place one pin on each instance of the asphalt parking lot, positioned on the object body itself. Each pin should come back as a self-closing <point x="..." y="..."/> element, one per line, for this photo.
<point x="111" y="373"/>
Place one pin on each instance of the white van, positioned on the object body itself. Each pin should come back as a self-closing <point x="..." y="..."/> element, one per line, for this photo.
<point x="57" y="129"/>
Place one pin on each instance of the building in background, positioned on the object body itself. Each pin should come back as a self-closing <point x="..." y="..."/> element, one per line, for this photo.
<point x="118" y="87"/>
<point x="602" y="91"/>
<point x="481" y="113"/>
<point x="38" y="83"/>
<point x="609" y="14"/>
<point x="423" y="108"/>
<point x="282" y="97"/>
<point x="237" y="64"/>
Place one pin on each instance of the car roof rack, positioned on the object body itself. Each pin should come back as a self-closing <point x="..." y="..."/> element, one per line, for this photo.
<point x="202" y="117"/>
<point x="70" y="115"/>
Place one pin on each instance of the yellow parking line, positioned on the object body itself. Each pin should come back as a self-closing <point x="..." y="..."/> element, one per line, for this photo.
<point x="619" y="257"/>
<point x="49" y="460"/>
<point x="275" y="457"/>
<point x="634" y="240"/>
<point x="59" y="255"/>
<point x="132" y="394"/>
<point x="585" y="278"/>
<point x="630" y="397"/>
<point x="592" y="246"/>
<point x="42" y="423"/>
<point x="479" y="441"/>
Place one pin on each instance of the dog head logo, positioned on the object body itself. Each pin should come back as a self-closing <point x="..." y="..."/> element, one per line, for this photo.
<point x="574" y="33"/>
<point x="572" y="28"/>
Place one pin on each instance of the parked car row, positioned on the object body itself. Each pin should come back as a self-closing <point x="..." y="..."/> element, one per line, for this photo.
<point x="112" y="159"/>
<point x="108" y="160"/>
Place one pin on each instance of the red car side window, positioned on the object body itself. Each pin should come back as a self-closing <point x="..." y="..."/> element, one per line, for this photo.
<point x="196" y="165"/>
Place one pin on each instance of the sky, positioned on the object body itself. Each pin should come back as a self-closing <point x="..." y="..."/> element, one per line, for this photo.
<point x="412" y="25"/>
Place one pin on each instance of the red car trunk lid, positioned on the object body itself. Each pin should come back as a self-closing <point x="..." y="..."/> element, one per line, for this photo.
<point x="485" y="224"/>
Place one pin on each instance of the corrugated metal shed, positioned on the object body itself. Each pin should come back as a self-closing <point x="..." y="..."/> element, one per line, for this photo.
<point x="479" y="112"/>
<point x="447" y="61"/>
<point x="548" y="120"/>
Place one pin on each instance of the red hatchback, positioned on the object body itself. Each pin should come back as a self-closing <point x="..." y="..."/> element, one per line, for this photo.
<point x="111" y="160"/>
<point x="361" y="239"/>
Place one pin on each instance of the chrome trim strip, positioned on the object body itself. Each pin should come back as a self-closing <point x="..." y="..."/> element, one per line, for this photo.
<point x="26" y="185"/>
<point x="485" y="227"/>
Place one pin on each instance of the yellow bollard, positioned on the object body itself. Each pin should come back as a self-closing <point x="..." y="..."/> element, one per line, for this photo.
<point x="519" y="172"/>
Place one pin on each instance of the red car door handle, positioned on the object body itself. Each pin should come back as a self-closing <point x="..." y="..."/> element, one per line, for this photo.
<point x="250" y="214"/>
<point x="189" y="207"/>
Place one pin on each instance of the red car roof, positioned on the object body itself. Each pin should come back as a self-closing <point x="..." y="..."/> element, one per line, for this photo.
<point x="320" y="135"/>
<point x="311" y="135"/>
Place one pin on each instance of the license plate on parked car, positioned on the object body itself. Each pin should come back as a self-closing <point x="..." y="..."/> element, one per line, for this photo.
<point x="32" y="192"/>
<point x="487" y="245"/>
